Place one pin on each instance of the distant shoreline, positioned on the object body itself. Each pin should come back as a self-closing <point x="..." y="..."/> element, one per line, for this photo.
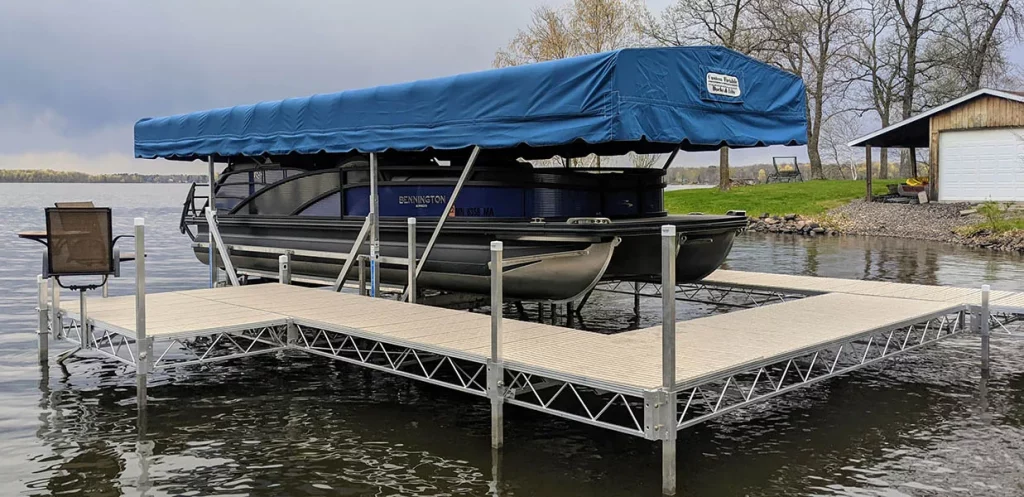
<point x="51" y="176"/>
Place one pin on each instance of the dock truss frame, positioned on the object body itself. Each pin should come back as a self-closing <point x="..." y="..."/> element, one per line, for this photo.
<point x="705" y="399"/>
<point x="653" y="412"/>
<point x="621" y="408"/>
<point x="705" y="293"/>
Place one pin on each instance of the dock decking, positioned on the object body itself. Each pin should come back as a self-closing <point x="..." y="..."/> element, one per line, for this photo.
<point x="723" y="361"/>
<point x="812" y="285"/>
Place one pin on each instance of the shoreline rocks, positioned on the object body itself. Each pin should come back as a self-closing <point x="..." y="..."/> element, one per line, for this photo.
<point x="790" y="223"/>
<point x="1011" y="241"/>
<point x="936" y="222"/>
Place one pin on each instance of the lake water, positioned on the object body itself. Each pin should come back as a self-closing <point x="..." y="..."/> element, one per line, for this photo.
<point x="299" y="425"/>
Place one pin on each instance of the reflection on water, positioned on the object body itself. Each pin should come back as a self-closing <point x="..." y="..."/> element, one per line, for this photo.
<point x="881" y="259"/>
<point x="292" y="424"/>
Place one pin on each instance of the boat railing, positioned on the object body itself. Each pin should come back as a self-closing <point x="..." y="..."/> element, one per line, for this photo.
<point x="191" y="209"/>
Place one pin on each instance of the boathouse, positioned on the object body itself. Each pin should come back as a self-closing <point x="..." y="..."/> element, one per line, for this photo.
<point x="975" y="142"/>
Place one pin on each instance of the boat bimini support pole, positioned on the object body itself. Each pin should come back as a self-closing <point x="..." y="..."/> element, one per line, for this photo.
<point x="671" y="157"/>
<point x="444" y="215"/>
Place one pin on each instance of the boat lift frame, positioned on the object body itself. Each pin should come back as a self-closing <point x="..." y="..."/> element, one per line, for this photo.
<point x="370" y="228"/>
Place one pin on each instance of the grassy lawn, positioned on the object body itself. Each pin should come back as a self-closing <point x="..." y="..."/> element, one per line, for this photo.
<point x="805" y="198"/>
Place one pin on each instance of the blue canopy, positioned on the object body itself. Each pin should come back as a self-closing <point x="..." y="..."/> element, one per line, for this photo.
<point x="645" y="100"/>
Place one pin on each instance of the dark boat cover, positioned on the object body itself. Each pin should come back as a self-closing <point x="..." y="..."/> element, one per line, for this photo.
<point x="646" y="100"/>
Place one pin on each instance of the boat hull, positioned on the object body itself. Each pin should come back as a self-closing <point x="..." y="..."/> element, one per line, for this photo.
<point x="547" y="262"/>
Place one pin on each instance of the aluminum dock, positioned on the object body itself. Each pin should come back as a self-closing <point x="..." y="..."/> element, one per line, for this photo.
<point x="649" y="383"/>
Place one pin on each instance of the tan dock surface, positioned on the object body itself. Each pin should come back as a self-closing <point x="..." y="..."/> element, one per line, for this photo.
<point x="1014" y="301"/>
<point x="816" y="285"/>
<point x="705" y="346"/>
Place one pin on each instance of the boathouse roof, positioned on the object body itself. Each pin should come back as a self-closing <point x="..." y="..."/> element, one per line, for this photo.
<point x="646" y="100"/>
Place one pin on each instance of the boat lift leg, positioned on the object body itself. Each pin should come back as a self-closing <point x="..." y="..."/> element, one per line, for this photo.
<point x="583" y="302"/>
<point x="362" y="275"/>
<point x="636" y="300"/>
<point x="375" y="230"/>
<point x="444" y="215"/>
<point x="212" y="203"/>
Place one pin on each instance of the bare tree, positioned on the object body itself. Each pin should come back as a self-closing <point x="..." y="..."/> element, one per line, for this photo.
<point x="579" y="28"/>
<point x="877" y="62"/>
<point x="602" y="25"/>
<point x="917" y="21"/>
<point x="837" y="130"/>
<point x="812" y="38"/>
<point x="644" y="161"/>
<point x="730" y="23"/>
<point x="546" y="38"/>
<point x="971" y="45"/>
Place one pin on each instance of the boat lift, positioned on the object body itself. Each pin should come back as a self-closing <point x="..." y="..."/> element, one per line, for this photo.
<point x="604" y="104"/>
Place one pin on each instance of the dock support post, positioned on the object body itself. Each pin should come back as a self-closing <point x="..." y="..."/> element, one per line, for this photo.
<point x="669" y="244"/>
<point x="985" y="315"/>
<point x="636" y="299"/>
<point x="495" y="366"/>
<point x="83" y="312"/>
<point x="144" y="345"/>
<point x="43" y="328"/>
<point x="56" y="323"/>
<point x="411" y="267"/>
<point x="496" y="472"/>
<point x="569" y="311"/>
<point x="284" y="268"/>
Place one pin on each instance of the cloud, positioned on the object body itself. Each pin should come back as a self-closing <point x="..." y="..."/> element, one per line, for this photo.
<point x="100" y="163"/>
<point x="77" y="75"/>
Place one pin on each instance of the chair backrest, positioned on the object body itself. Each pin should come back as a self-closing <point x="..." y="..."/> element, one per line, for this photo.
<point x="79" y="241"/>
<point x="786" y="167"/>
<point x="74" y="205"/>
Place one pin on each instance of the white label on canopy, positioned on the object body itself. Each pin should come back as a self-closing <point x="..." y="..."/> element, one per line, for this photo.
<point x="723" y="84"/>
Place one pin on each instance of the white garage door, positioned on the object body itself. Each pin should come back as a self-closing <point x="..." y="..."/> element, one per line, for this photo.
<point x="983" y="164"/>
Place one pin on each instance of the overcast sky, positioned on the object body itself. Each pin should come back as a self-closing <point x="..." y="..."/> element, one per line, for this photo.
<point x="75" y="76"/>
